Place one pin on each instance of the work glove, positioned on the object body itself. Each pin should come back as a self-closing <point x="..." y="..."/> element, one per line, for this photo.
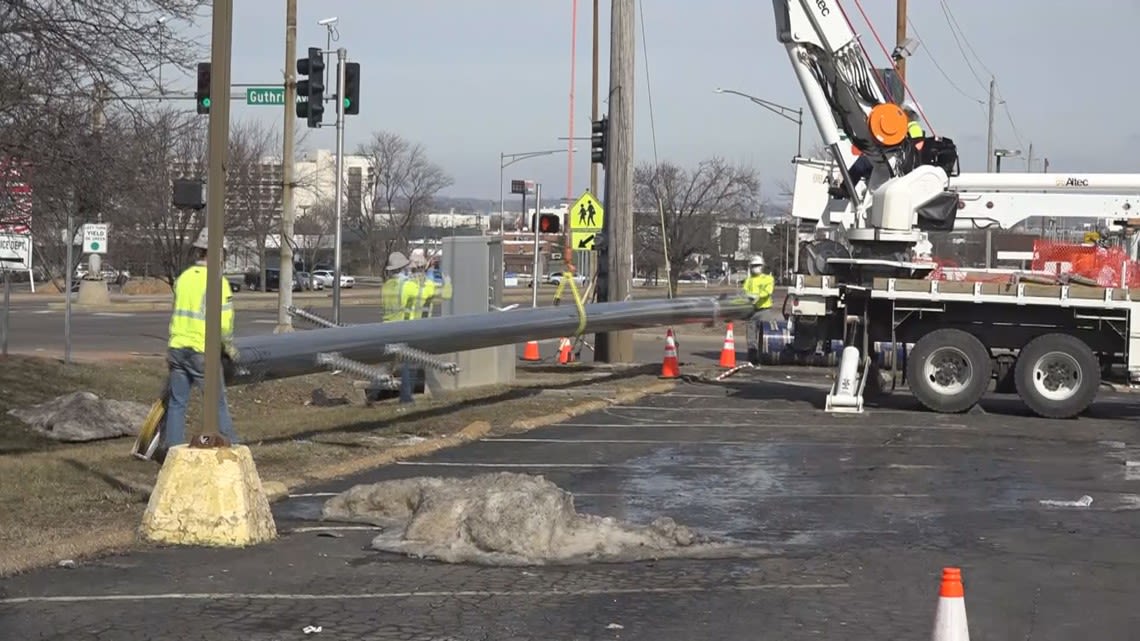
<point x="231" y="351"/>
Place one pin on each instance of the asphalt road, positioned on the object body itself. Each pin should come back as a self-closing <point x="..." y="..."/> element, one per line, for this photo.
<point x="858" y="514"/>
<point x="37" y="329"/>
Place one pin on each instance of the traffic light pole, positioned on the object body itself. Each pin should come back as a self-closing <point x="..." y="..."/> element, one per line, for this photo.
<point x="288" y="214"/>
<point x="534" y="223"/>
<point x="341" y="55"/>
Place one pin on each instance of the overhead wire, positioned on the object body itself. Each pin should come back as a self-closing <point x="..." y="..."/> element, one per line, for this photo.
<point x="653" y="137"/>
<point x="934" y="61"/>
<point x="955" y="30"/>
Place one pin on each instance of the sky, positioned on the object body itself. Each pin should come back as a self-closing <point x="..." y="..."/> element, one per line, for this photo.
<point x="471" y="80"/>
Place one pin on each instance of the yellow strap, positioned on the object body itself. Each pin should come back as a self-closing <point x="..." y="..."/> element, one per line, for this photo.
<point x="568" y="276"/>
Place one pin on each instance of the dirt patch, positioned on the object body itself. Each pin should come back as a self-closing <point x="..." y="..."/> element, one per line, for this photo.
<point x="506" y="519"/>
<point x="85" y="498"/>
<point x="146" y="286"/>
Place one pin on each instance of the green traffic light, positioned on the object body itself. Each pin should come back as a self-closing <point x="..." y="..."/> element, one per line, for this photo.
<point x="205" y="102"/>
<point x="347" y="103"/>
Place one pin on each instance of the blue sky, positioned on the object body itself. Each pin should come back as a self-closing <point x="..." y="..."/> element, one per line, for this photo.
<point x="472" y="79"/>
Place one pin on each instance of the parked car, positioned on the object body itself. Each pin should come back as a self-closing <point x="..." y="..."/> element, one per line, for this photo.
<point x="326" y="277"/>
<point x="310" y="281"/>
<point x="273" y="280"/>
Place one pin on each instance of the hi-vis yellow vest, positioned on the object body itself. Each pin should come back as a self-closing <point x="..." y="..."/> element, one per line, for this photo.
<point x="914" y="129"/>
<point x="188" y="321"/>
<point x="761" y="286"/>
<point x="405" y="297"/>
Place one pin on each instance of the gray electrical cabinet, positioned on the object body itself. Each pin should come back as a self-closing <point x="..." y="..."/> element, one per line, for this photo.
<point x="474" y="265"/>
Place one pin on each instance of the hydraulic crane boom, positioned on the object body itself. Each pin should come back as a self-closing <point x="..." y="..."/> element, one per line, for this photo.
<point x="915" y="185"/>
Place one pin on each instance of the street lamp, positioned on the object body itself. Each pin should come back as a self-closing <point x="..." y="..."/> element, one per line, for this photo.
<point x="785" y="113"/>
<point x="518" y="157"/>
<point x="779" y="110"/>
<point x="1002" y="153"/>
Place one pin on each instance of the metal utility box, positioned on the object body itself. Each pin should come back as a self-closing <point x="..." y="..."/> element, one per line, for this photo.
<point x="474" y="265"/>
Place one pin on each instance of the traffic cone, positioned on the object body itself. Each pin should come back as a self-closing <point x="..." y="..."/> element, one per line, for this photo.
<point x="565" y="352"/>
<point x="530" y="352"/>
<point x="950" y="619"/>
<point x="670" y="368"/>
<point x="728" y="353"/>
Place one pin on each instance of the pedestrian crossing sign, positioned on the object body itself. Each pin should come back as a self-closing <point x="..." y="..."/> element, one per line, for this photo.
<point x="586" y="220"/>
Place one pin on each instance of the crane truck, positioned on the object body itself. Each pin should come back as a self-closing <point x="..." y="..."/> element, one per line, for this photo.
<point x="1050" y="343"/>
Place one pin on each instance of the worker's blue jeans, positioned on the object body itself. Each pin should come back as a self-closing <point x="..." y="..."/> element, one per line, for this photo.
<point x="187" y="370"/>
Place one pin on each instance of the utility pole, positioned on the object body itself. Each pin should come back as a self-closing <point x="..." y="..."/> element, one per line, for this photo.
<point x="285" y="284"/>
<point x="990" y="134"/>
<point x="617" y="347"/>
<point x="220" y="53"/>
<point x="1029" y="159"/>
<point x="591" y="259"/>
<point x="900" y="37"/>
<point x="594" y="109"/>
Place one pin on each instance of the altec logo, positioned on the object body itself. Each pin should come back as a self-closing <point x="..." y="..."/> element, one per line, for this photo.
<point x="823" y="9"/>
<point x="1072" y="182"/>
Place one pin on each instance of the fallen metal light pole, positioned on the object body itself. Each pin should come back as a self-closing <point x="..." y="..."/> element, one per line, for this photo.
<point x="276" y="356"/>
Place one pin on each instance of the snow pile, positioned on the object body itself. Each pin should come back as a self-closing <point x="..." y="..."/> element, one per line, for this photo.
<point x="83" y="416"/>
<point x="506" y="519"/>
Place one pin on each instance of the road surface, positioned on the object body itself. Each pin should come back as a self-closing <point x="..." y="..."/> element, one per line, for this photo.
<point x="858" y="514"/>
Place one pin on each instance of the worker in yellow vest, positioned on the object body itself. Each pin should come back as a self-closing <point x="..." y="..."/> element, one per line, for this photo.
<point x="759" y="286"/>
<point x="186" y="349"/>
<point x="397" y="292"/>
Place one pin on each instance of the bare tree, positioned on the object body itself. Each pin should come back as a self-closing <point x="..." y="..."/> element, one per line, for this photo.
<point x="314" y="229"/>
<point x="689" y="203"/>
<point x="253" y="186"/>
<point x="405" y="184"/>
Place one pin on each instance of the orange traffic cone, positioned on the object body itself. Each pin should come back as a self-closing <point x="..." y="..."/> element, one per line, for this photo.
<point x="670" y="368"/>
<point x="728" y="353"/>
<point x="950" y="619"/>
<point x="565" y="352"/>
<point x="530" y="352"/>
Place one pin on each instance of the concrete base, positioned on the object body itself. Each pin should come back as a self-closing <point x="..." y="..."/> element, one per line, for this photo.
<point x="209" y="497"/>
<point x="478" y="368"/>
<point x="93" y="292"/>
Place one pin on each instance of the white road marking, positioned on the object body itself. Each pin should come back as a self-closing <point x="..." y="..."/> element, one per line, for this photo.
<point x="694" y="466"/>
<point x="802" y="426"/>
<point x="335" y="528"/>
<point x="762" y="496"/>
<point x="113" y="314"/>
<point x="264" y="321"/>
<point x="436" y="594"/>
<point x="298" y="496"/>
<point x="602" y="441"/>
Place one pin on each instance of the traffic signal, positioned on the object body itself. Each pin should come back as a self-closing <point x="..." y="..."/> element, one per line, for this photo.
<point x="548" y="223"/>
<point x="600" y="131"/>
<point x="312" y="89"/>
<point x="351" y="88"/>
<point x="202" y="94"/>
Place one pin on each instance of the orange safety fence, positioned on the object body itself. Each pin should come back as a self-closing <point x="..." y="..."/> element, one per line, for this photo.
<point x="1107" y="266"/>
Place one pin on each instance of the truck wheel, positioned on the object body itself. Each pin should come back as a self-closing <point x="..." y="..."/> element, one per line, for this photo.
<point x="949" y="370"/>
<point x="1057" y="375"/>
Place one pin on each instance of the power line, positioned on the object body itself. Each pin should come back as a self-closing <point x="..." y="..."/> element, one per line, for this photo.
<point x="953" y="32"/>
<point x="934" y="60"/>
<point x="950" y="15"/>
<point x="648" y="84"/>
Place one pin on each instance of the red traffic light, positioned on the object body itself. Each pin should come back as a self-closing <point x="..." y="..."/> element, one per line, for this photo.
<point x="549" y="223"/>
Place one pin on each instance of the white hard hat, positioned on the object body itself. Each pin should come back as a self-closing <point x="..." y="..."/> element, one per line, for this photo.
<point x="756" y="261"/>
<point x="397" y="261"/>
<point x="203" y="240"/>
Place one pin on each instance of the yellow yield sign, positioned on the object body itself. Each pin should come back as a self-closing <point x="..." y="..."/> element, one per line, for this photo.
<point x="586" y="220"/>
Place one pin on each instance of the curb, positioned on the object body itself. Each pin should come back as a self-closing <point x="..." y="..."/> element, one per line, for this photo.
<point x="165" y="306"/>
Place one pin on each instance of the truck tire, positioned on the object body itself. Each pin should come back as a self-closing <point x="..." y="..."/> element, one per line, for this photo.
<point x="1057" y="375"/>
<point x="949" y="370"/>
